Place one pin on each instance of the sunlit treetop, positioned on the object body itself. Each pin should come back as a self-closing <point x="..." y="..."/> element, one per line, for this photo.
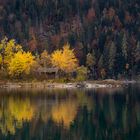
<point x="65" y="59"/>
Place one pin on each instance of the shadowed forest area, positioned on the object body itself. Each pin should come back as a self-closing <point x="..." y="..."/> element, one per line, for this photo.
<point x="104" y="34"/>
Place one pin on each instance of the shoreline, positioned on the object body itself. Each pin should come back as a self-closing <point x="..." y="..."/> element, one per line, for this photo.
<point x="109" y="83"/>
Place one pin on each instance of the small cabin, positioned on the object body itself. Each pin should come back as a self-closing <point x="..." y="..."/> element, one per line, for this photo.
<point x="48" y="73"/>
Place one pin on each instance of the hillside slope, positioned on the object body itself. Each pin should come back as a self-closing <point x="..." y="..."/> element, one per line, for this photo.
<point x="109" y="30"/>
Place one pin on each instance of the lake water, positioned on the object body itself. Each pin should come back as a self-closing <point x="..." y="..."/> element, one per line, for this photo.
<point x="102" y="114"/>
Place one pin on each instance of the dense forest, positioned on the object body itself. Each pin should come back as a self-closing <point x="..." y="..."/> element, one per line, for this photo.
<point x="105" y="34"/>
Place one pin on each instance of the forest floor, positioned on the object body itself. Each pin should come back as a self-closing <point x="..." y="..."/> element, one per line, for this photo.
<point x="109" y="83"/>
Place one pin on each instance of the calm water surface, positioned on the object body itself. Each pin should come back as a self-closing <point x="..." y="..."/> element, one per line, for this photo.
<point x="102" y="114"/>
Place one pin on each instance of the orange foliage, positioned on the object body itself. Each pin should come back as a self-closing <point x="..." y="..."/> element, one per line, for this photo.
<point x="128" y="17"/>
<point x="91" y="14"/>
<point x="118" y="23"/>
<point x="33" y="44"/>
<point x="79" y="50"/>
<point x="55" y="39"/>
<point x="111" y="13"/>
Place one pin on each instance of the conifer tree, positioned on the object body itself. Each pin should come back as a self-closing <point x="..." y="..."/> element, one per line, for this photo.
<point x="91" y="61"/>
<point x="137" y="52"/>
<point x="112" y="55"/>
<point x="125" y="47"/>
<point x="101" y="62"/>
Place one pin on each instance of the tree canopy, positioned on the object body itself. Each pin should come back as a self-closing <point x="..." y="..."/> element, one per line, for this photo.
<point x="65" y="59"/>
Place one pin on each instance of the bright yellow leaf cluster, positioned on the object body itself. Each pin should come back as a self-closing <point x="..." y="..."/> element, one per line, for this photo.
<point x="21" y="63"/>
<point x="11" y="49"/>
<point x="65" y="59"/>
<point x="8" y="49"/>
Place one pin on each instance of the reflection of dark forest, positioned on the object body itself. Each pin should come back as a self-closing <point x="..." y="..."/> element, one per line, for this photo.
<point x="73" y="115"/>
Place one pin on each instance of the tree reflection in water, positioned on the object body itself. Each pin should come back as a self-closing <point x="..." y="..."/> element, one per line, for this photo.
<point x="13" y="112"/>
<point x="76" y="114"/>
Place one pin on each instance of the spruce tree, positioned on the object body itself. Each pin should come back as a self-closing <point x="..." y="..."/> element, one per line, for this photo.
<point x="137" y="52"/>
<point x="112" y="55"/>
<point x="137" y="56"/>
<point x="101" y="62"/>
<point x="91" y="62"/>
<point x="125" y="47"/>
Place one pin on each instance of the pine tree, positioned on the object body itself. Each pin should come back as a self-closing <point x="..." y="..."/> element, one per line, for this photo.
<point x="137" y="52"/>
<point x="137" y="57"/>
<point x="112" y="55"/>
<point x="3" y="46"/>
<point x="91" y="60"/>
<point x="125" y="47"/>
<point x="101" y="62"/>
<point x="120" y="61"/>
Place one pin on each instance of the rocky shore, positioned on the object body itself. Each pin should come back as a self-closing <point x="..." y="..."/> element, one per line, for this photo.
<point x="86" y="84"/>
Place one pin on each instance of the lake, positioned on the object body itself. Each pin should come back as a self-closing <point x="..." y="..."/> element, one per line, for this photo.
<point x="79" y="114"/>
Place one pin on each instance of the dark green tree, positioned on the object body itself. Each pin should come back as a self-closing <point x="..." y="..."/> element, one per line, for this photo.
<point x="112" y="55"/>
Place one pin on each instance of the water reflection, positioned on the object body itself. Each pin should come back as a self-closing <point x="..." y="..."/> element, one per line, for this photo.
<point x="72" y="115"/>
<point x="64" y="112"/>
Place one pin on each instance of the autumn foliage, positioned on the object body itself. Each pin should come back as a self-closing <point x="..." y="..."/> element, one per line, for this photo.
<point x="89" y="26"/>
<point x="18" y="63"/>
<point x="21" y="64"/>
<point x="65" y="59"/>
<point x="7" y="50"/>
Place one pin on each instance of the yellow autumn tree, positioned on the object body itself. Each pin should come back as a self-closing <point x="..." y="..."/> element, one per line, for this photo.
<point x="21" y="64"/>
<point x="7" y="50"/>
<point x="11" y="48"/>
<point x="45" y="59"/>
<point x="65" y="59"/>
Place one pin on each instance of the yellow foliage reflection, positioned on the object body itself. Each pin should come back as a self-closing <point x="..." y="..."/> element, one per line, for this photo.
<point x="16" y="111"/>
<point x="64" y="112"/>
<point x="7" y="122"/>
<point x="21" y="109"/>
<point x="13" y="113"/>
